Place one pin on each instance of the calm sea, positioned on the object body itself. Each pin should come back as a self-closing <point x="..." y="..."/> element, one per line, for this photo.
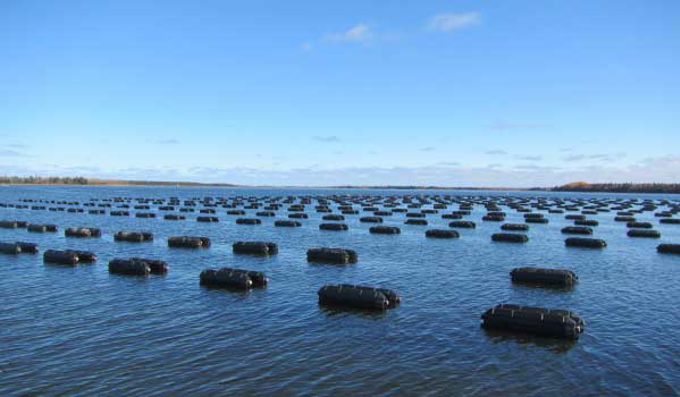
<point x="81" y="331"/>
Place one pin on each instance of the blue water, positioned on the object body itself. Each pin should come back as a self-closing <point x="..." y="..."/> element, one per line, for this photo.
<point x="82" y="331"/>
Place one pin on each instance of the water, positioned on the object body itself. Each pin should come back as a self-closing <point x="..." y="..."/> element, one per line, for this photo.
<point x="81" y="331"/>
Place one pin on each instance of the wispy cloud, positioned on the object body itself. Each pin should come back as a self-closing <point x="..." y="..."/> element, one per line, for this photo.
<point x="653" y="169"/>
<point x="12" y="153"/>
<point x="501" y="125"/>
<point x="669" y="163"/>
<point x="168" y="142"/>
<point x="365" y="34"/>
<point x="529" y="158"/>
<point x="453" y="22"/>
<point x="596" y="157"/>
<point x="360" y="33"/>
<point x="496" y="152"/>
<point x="427" y="149"/>
<point x="326" y="138"/>
<point x="536" y="167"/>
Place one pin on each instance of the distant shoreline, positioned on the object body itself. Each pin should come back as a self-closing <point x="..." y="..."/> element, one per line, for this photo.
<point x="390" y="187"/>
<point x="654" y="188"/>
<point x="576" y="187"/>
<point x="226" y="185"/>
<point x="124" y="184"/>
<point x="79" y="181"/>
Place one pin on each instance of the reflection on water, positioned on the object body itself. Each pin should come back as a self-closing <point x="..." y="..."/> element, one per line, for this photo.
<point x="544" y="288"/>
<point x="554" y="345"/>
<point x="334" y="310"/>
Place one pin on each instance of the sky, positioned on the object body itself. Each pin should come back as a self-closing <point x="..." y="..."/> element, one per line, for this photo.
<point x="354" y="92"/>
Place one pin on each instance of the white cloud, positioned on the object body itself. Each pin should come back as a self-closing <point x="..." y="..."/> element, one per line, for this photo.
<point x="326" y="138"/>
<point x="453" y="22"/>
<point x="170" y="141"/>
<point x="661" y="169"/>
<point x="360" y="33"/>
<point x="529" y="158"/>
<point x="501" y="125"/>
<point x="11" y="153"/>
<point x="596" y="157"/>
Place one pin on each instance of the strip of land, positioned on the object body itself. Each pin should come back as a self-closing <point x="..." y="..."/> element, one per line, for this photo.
<point x="666" y="188"/>
<point x="80" y="181"/>
<point x="663" y="188"/>
<point x="422" y="187"/>
<point x="659" y="188"/>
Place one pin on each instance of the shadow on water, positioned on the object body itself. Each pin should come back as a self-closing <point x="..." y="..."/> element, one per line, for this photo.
<point x="226" y="290"/>
<point x="525" y="285"/>
<point x="330" y="265"/>
<point x="56" y="265"/>
<point x="338" y="310"/>
<point x="137" y="277"/>
<point x="554" y="345"/>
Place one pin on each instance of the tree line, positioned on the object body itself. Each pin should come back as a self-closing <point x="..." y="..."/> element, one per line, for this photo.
<point x="38" y="180"/>
<point x="667" y="188"/>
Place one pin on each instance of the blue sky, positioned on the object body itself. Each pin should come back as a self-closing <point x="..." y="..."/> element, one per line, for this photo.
<point x="455" y="93"/>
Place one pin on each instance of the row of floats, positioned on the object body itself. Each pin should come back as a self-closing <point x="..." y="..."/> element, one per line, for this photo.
<point x="547" y="322"/>
<point x="412" y="218"/>
<point x="541" y="321"/>
<point x="637" y="229"/>
<point x="345" y="202"/>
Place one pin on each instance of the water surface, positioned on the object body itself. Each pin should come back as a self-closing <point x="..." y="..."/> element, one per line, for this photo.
<point x="82" y="331"/>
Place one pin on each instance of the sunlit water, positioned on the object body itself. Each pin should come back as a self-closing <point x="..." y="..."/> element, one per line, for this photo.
<point x="82" y="331"/>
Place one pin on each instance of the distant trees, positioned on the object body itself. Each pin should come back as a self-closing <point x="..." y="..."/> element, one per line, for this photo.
<point x="667" y="188"/>
<point x="79" y="180"/>
<point x="38" y="180"/>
